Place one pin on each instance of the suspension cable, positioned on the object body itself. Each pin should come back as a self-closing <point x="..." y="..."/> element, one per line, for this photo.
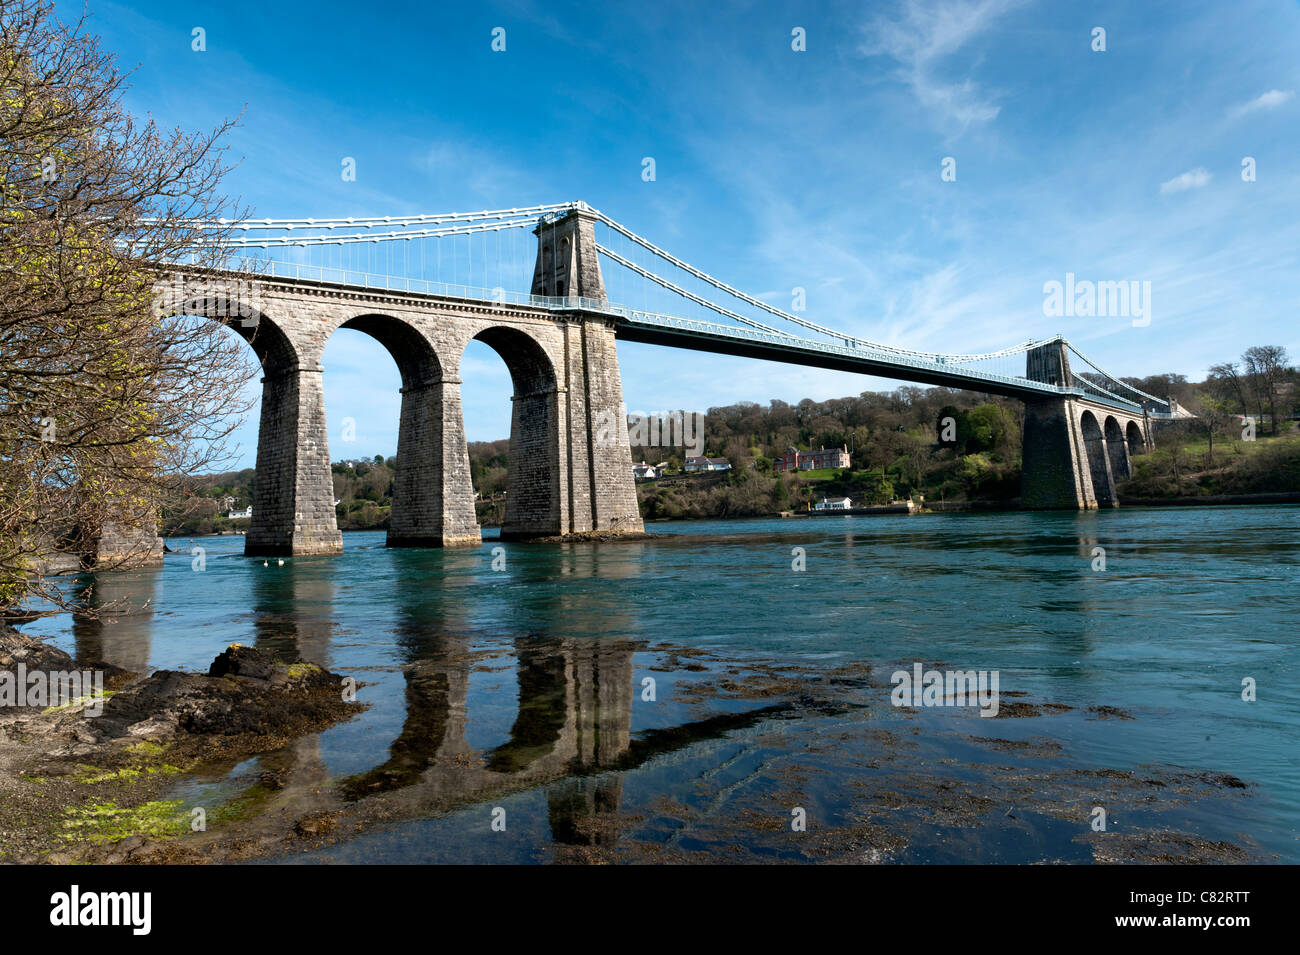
<point x="370" y="221"/>
<point x="306" y="240"/>
<point x="452" y="225"/>
<point x="773" y="310"/>
<point x="686" y="294"/>
<point x="716" y="283"/>
<point x="1110" y="377"/>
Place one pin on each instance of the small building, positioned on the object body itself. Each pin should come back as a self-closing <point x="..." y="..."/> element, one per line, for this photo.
<point x="702" y="463"/>
<point x="644" y="472"/>
<point x="796" y="460"/>
<point x="833" y="504"/>
<point x="239" y="515"/>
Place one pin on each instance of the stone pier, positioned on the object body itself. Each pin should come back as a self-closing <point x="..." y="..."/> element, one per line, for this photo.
<point x="1074" y="449"/>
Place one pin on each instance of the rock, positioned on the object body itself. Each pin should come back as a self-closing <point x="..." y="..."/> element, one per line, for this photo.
<point x="160" y="725"/>
<point x="35" y="654"/>
<point x="239" y="660"/>
<point x="150" y="729"/>
<point x="314" y="825"/>
<point x="247" y="692"/>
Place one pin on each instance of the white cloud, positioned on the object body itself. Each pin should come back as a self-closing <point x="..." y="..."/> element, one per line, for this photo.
<point x="1269" y="100"/>
<point x="1192" y="179"/>
<point x="922" y="37"/>
<point x="480" y="173"/>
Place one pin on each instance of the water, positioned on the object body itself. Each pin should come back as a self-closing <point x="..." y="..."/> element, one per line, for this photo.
<point x="523" y="690"/>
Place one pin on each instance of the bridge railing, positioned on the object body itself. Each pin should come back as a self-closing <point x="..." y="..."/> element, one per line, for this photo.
<point x="299" y="271"/>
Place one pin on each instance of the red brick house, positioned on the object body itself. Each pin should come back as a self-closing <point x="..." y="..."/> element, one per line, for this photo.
<point x="794" y="460"/>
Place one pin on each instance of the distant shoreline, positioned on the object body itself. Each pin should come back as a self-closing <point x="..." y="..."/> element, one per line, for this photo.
<point x="931" y="507"/>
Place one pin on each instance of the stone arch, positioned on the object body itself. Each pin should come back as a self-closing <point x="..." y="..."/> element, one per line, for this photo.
<point x="1116" y="449"/>
<point x="417" y="518"/>
<point x="1136" y="442"/>
<point x="417" y="360"/>
<point x="274" y="349"/>
<point x="533" y="502"/>
<point x="292" y="499"/>
<point x="542" y="672"/>
<point x="1094" y="443"/>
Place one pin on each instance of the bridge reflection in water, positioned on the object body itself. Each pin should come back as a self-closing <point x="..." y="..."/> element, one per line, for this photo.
<point x="575" y="682"/>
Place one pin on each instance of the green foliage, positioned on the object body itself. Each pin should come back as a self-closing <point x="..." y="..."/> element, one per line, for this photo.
<point x="1184" y="465"/>
<point x="979" y="429"/>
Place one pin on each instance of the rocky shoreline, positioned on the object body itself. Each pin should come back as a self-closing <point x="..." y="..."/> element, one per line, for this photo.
<point x="81" y="787"/>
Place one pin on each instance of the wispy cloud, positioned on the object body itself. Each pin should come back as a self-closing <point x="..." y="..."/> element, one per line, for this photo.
<point x="1269" y="100"/>
<point x="479" y="172"/>
<point x="1192" y="179"/>
<point x="922" y="37"/>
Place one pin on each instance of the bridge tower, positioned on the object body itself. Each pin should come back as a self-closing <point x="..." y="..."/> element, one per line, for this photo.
<point x="1051" y="474"/>
<point x="590" y="449"/>
<point x="1074" y="449"/>
<point x="567" y="266"/>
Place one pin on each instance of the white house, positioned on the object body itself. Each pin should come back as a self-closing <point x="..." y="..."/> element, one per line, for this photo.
<point x="702" y="463"/>
<point x="833" y="504"/>
<point x="236" y="515"/>
<point x="644" y="472"/>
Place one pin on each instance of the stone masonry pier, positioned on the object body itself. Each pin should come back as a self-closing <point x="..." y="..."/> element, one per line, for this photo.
<point x="1074" y="450"/>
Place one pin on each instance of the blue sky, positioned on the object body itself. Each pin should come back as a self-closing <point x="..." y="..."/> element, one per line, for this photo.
<point x="778" y="169"/>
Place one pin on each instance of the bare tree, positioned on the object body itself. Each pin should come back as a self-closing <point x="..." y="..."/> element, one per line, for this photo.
<point x="106" y="400"/>
<point x="1225" y="382"/>
<point x="1267" y="368"/>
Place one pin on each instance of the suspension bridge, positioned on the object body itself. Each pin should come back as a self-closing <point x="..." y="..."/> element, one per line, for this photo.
<point x="425" y="285"/>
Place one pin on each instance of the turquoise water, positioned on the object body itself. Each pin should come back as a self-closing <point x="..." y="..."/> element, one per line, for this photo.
<point x="523" y="688"/>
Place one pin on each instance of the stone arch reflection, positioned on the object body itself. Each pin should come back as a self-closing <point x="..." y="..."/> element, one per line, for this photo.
<point x="293" y="610"/>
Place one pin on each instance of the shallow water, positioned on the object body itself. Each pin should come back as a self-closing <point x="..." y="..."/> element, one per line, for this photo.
<point x="523" y="689"/>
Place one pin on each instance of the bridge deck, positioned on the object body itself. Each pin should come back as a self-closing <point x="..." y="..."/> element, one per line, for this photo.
<point x="634" y="325"/>
<point x="794" y="351"/>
